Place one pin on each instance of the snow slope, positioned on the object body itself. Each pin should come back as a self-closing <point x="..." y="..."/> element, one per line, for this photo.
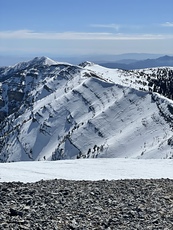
<point x="55" y="111"/>
<point x="86" y="169"/>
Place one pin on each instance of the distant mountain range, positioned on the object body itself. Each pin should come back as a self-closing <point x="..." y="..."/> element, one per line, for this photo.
<point x="9" y="60"/>
<point x="129" y="64"/>
<point x="52" y="111"/>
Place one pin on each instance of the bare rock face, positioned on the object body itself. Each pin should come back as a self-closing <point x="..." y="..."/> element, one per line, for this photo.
<point x="62" y="204"/>
<point x="14" y="95"/>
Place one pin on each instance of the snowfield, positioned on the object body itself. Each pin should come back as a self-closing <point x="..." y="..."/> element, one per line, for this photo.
<point x="87" y="169"/>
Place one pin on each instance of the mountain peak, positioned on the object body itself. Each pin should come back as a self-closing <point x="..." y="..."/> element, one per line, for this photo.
<point x="43" y="61"/>
<point x="165" y="58"/>
<point x="37" y="61"/>
<point x="86" y="63"/>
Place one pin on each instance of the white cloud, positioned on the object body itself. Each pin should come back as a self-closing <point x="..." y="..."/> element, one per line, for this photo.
<point x="76" y="43"/>
<point x="167" y="24"/>
<point x="27" y="34"/>
<point x="110" y="26"/>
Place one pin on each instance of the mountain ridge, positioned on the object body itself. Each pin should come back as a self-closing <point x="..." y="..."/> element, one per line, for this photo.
<point x="162" y="61"/>
<point x="53" y="111"/>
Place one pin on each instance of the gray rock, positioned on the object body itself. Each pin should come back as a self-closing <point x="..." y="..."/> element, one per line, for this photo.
<point x="81" y="205"/>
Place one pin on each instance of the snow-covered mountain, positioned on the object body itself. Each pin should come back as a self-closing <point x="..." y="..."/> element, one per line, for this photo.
<point x="52" y="111"/>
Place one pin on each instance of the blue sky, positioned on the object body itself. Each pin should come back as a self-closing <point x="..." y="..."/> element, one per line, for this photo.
<point x="77" y="27"/>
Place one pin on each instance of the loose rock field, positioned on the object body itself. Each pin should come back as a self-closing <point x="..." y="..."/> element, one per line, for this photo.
<point x="63" y="204"/>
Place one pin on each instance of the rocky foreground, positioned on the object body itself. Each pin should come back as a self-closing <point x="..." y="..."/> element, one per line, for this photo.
<point x="62" y="204"/>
